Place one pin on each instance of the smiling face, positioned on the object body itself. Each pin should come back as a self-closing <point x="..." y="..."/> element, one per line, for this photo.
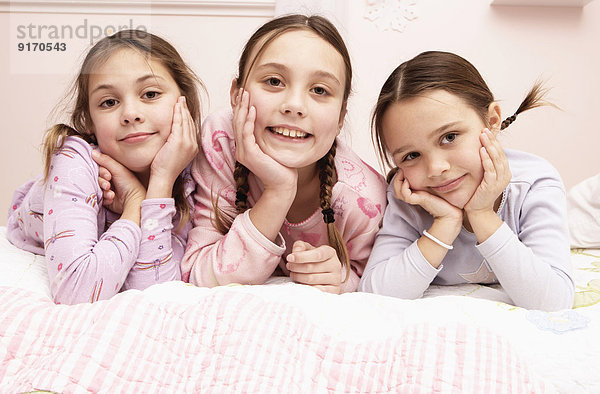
<point x="131" y="101"/>
<point x="434" y="140"/>
<point x="297" y="87"/>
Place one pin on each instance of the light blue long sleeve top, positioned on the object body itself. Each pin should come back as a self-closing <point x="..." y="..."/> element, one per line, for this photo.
<point x="528" y="255"/>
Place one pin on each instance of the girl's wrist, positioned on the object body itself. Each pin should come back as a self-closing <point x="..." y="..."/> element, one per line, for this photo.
<point x="132" y="209"/>
<point x="484" y="223"/>
<point x="480" y="216"/>
<point x="283" y="193"/>
<point x="438" y="240"/>
<point x="269" y="212"/>
<point x="160" y="188"/>
<point x="450" y="227"/>
<point x="445" y="231"/>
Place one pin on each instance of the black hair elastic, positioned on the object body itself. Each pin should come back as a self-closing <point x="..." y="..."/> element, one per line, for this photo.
<point x="241" y="197"/>
<point x="328" y="215"/>
<point x="507" y="122"/>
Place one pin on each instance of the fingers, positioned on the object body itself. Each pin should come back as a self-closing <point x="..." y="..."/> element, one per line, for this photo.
<point x="402" y="191"/>
<point x="317" y="279"/>
<point x="496" y="174"/>
<point x="177" y="124"/>
<point x="493" y="159"/>
<point x="192" y="133"/>
<point x="300" y="246"/>
<point x="303" y="259"/>
<point x="104" y="173"/>
<point x="183" y="126"/>
<point x="243" y="121"/>
<point x="319" y="267"/>
<point x="104" y="177"/>
<point x="398" y="180"/>
<point x="240" y="113"/>
<point x="108" y="197"/>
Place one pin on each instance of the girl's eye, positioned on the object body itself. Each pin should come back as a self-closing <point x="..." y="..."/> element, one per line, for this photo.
<point x="410" y="156"/>
<point x="319" y="90"/>
<point x="274" y="81"/>
<point x="151" y="95"/>
<point x="448" y="138"/>
<point x="108" y="103"/>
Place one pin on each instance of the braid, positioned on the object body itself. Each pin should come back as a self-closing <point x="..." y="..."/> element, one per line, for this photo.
<point x="240" y="174"/>
<point x="181" y="203"/>
<point x="534" y="99"/>
<point x="328" y="177"/>
<point x="506" y="122"/>
<point x="222" y="219"/>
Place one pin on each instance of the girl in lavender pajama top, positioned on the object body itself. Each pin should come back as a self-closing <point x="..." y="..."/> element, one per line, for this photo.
<point x="143" y="120"/>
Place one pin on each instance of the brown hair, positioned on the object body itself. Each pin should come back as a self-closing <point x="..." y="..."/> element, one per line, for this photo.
<point x="266" y="34"/>
<point x="80" y="123"/>
<point x="439" y="70"/>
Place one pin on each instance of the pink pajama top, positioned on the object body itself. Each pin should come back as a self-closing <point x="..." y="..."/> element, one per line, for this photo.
<point x="91" y="254"/>
<point x="244" y="255"/>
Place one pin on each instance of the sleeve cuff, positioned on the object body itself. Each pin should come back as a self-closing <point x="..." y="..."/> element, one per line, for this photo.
<point x="420" y="262"/>
<point x="496" y="241"/>
<point x="276" y="248"/>
<point x="167" y="202"/>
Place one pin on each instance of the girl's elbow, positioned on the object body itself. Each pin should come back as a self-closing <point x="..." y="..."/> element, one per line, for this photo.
<point x="552" y="302"/>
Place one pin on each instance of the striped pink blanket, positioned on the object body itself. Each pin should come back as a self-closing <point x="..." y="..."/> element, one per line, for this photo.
<point x="248" y="339"/>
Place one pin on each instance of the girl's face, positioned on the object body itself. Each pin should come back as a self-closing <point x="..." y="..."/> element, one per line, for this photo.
<point x="434" y="140"/>
<point x="131" y="98"/>
<point x="297" y="87"/>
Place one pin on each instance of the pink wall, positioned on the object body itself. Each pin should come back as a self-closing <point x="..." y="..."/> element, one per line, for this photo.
<point x="511" y="46"/>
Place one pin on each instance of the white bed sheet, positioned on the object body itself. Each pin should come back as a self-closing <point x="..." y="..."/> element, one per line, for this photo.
<point x="362" y="338"/>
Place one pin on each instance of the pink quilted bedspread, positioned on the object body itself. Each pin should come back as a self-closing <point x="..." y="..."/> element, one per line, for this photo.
<point x="237" y="339"/>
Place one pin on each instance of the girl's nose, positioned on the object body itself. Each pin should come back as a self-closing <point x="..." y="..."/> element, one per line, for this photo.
<point x="437" y="165"/>
<point x="131" y="114"/>
<point x="294" y="104"/>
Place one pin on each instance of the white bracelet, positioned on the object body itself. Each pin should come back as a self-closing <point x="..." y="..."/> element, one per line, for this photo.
<point x="437" y="241"/>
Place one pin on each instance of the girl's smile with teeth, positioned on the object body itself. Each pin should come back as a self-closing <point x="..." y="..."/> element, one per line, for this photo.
<point x="299" y="105"/>
<point x="289" y="132"/>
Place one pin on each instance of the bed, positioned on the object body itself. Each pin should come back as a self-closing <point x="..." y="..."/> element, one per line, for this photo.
<point x="285" y="337"/>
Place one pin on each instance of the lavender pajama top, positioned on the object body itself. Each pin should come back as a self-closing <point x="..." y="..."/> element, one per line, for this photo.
<point x="528" y="255"/>
<point x="91" y="254"/>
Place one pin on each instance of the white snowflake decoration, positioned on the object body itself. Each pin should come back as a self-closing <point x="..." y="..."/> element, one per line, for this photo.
<point x="391" y="14"/>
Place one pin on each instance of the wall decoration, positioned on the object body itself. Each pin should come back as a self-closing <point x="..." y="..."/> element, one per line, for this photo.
<point x="391" y="14"/>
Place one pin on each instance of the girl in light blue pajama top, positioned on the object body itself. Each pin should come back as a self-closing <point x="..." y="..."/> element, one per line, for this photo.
<point x="461" y="209"/>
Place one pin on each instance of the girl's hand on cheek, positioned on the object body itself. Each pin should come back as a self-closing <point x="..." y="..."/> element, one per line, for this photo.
<point x="436" y="206"/>
<point x="496" y="175"/>
<point x="272" y="174"/>
<point x="178" y="151"/>
<point x="315" y="266"/>
<point x="127" y="188"/>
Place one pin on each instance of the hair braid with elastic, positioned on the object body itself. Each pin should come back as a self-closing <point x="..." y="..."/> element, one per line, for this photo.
<point x="506" y="122"/>
<point x="240" y="175"/>
<point x="223" y="218"/>
<point x="533" y="99"/>
<point x="328" y="177"/>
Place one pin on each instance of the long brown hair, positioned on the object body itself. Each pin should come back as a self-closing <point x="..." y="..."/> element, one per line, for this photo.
<point x="256" y="45"/>
<point x="439" y="70"/>
<point x="80" y="123"/>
